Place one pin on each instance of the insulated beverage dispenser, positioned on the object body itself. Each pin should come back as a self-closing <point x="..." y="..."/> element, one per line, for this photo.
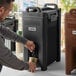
<point x="43" y="27"/>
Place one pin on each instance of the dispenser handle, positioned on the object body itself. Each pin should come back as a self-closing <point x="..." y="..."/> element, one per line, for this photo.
<point x="51" y="5"/>
<point x="33" y="9"/>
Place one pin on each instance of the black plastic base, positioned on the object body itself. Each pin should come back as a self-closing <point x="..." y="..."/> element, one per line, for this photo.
<point x="43" y="68"/>
<point x="58" y="60"/>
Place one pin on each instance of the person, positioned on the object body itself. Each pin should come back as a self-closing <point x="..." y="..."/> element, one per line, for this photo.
<point x="7" y="58"/>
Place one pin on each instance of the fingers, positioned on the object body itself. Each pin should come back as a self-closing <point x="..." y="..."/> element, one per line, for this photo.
<point x="30" y="45"/>
<point x="32" y="67"/>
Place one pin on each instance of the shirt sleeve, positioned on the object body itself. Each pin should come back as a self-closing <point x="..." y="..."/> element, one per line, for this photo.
<point x="9" y="59"/>
<point x="9" y="34"/>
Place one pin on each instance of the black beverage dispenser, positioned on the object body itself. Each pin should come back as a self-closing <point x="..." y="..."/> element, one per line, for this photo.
<point x="43" y="27"/>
